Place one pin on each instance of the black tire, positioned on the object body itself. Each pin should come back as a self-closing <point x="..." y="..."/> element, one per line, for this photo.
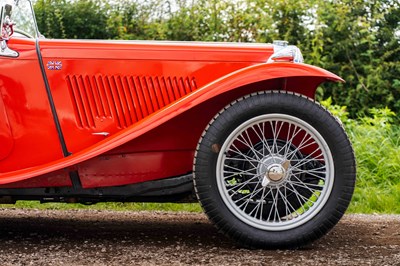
<point x="266" y="187"/>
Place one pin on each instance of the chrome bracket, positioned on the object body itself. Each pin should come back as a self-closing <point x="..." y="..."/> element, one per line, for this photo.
<point x="6" y="51"/>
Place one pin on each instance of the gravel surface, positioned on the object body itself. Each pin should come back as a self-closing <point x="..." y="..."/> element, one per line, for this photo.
<point x="82" y="237"/>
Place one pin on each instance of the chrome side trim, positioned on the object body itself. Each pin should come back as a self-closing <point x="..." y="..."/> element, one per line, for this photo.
<point x="105" y="134"/>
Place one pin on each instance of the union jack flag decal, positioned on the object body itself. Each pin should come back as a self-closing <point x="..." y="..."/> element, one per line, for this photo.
<point x="54" y="65"/>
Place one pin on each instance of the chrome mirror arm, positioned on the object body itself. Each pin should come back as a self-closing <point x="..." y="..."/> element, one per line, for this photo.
<point x="6" y="51"/>
<point x="7" y="29"/>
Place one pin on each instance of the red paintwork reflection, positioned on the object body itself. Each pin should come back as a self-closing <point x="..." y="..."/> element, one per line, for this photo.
<point x="26" y="107"/>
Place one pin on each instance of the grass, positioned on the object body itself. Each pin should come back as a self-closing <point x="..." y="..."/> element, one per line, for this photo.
<point x="377" y="150"/>
<point x="376" y="142"/>
<point x="116" y="206"/>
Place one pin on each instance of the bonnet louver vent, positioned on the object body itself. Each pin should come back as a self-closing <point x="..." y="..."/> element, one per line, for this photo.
<point x="126" y="99"/>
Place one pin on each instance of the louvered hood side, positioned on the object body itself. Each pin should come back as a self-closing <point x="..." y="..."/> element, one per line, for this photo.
<point x="124" y="99"/>
<point x="100" y="88"/>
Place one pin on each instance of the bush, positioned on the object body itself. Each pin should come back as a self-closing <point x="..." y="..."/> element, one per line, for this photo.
<point x="358" y="40"/>
<point x="376" y="142"/>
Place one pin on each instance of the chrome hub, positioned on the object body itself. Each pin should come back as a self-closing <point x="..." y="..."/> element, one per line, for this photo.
<point x="275" y="172"/>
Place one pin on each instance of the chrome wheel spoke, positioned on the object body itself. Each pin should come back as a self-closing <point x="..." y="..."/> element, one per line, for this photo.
<point x="289" y="140"/>
<point x="243" y="184"/>
<point x="302" y="185"/>
<point x="261" y="137"/>
<point x="288" y="207"/>
<point x="307" y="160"/>
<point x="238" y="171"/>
<point x="250" y="146"/>
<point x="303" y="198"/>
<point x="251" y="160"/>
<point x="317" y="174"/>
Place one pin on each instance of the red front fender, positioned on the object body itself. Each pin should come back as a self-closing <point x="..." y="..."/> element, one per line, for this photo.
<point x="299" y="78"/>
<point x="288" y="72"/>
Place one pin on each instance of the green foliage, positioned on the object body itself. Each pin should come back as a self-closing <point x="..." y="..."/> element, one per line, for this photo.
<point x="337" y="110"/>
<point x="83" y="19"/>
<point x="360" y="43"/>
<point x="116" y="206"/>
<point x="358" y="40"/>
<point x="376" y="143"/>
<point x="50" y="18"/>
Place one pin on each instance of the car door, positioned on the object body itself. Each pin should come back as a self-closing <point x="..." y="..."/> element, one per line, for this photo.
<point x="28" y="134"/>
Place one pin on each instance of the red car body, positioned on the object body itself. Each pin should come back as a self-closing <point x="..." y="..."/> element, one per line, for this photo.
<point x="129" y="112"/>
<point x="89" y="121"/>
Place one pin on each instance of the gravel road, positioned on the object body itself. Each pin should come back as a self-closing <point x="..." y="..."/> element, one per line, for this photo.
<point x="82" y="237"/>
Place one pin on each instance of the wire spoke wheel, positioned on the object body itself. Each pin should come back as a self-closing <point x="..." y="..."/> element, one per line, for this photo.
<point x="274" y="170"/>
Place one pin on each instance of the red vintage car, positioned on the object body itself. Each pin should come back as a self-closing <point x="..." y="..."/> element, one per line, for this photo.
<point x="232" y="125"/>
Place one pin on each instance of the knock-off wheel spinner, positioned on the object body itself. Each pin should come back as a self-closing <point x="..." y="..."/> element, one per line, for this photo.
<point x="273" y="174"/>
<point x="273" y="169"/>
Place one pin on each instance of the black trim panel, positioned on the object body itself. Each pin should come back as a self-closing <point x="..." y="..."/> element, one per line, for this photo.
<point x="174" y="189"/>
<point x="52" y="105"/>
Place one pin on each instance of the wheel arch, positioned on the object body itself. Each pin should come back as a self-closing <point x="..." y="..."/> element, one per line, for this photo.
<point x="300" y="78"/>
